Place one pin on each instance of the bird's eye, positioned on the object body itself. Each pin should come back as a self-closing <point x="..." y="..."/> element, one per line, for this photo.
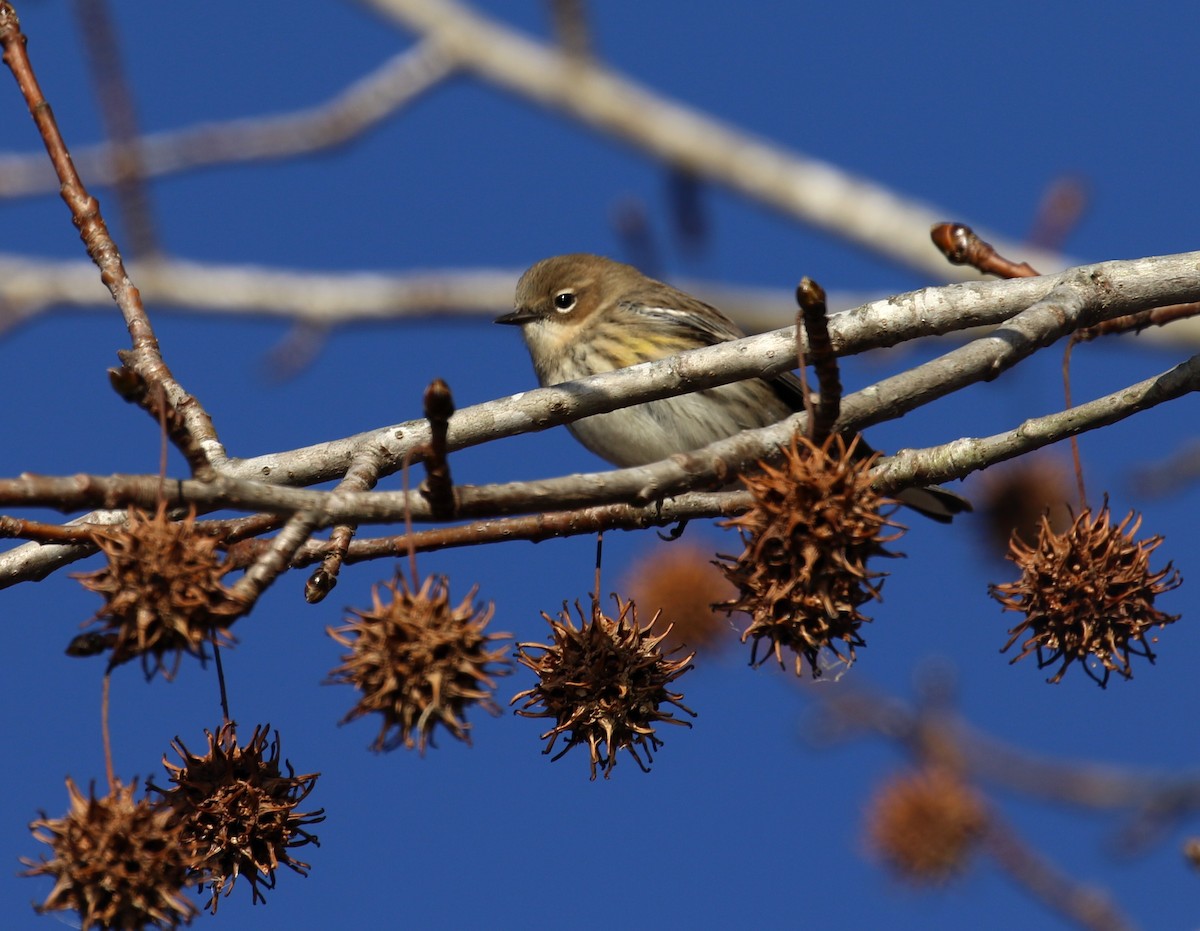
<point x="564" y="300"/>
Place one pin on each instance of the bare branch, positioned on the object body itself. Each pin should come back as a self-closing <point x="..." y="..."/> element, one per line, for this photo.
<point x="396" y="83"/>
<point x="30" y="286"/>
<point x="197" y="435"/>
<point x="961" y="457"/>
<point x="814" y="192"/>
<point x="1090" y="293"/>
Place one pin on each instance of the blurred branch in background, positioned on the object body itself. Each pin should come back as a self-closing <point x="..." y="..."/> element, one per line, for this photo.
<point x="389" y="88"/>
<point x="30" y="287"/>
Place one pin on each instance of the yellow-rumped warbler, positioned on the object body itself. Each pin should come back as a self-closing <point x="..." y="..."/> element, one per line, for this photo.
<point x="582" y="314"/>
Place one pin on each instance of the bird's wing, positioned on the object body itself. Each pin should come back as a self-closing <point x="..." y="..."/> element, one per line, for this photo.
<point x="667" y="305"/>
<point x="708" y="326"/>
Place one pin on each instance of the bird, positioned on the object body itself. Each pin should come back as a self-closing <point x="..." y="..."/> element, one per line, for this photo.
<point x="582" y="314"/>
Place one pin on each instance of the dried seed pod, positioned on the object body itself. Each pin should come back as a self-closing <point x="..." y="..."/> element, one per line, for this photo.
<point x="603" y="683"/>
<point x="680" y="583"/>
<point x="815" y="523"/>
<point x="118" y="862"/>
<point x="925" y="825"/>
<point x="419" y="662"/>
<point x="162" y="590"/>
<point x="1087" y="594"/>
<point x="237" y="810"/>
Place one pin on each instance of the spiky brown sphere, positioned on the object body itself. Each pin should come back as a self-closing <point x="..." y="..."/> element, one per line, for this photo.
<point x="802" y="576"/>
<point x="118" y="862"/>
<point x="925" y="825"/>
<point x="680" y="585"/>
<point x="1191" y="851"/>
<point x="237" y="810"/>
<point x="162" y="590"/>
<point x="1087" y="594"/>
<point x="603" y="683"/>
<point x="419" y="662"/>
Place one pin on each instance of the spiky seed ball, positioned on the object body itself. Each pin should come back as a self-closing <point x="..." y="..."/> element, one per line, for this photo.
<point x="1191" y="851"/>
<point x="118" y="862"/>
<point x="681" y="585"/>
<point x="802" y="575"/>
<point x="1087" y="594"/>
<point x="237" y="810"/>
<point x="162" y="590"/>
<point x="604" y="683"/>
<point x="419" y="662"/>
<point x="926" y="824"/>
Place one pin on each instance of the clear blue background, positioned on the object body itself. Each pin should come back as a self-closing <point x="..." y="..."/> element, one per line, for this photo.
<point x="742" y="822"/>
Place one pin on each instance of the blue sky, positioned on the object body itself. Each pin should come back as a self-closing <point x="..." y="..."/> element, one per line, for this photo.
<point x="742" y="821"/>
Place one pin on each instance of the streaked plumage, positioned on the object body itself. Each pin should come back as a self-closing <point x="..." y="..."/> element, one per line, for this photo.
<point x="583" y="314"/>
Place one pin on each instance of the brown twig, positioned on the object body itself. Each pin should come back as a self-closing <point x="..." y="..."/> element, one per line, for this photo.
<point x="533" y="528"/>
<point x="130" y="384"/>
<point x="103" y="53"/>
<point x="15" y="527"/>
<point x="221" y="690"/>
<point x="569" y="21"/>
<point x="1135" y="323"/>
<point x="810" y="409"/>
<point x="1076" y="459"/>
<point x="438" y="487"/>
<point x="361" y="476"/>
<point x="233" y="529"/>
<point x="959" y="244"/>
<point x="596" y="583"/>
<point x="1062" y="205"/>
<point x="105" y="735"/>
<point x="1086" y="906"/>
<point x="811" y="298"/>
<point x="145" y="359"/>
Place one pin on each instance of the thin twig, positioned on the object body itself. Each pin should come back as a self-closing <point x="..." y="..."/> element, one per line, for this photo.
<point x="438" y="487"/>
<point x="1076" y="458"/>
<point x="216" y="645"/>
<point x="46" y="533"/>
<point x="530" y="528"/>
<point x="1086" y="906"/>
<point x="361" y="476"/>
<point x="569" y="19"/>
<point x="145" y="358"/>
<point x="961" y="457"/>
<point x="103" y="53"/>
<point x="811" y="298"/>
<point x="400" y="80"/>
<point x="105" y="735"/>
<point x="959" y="244"/>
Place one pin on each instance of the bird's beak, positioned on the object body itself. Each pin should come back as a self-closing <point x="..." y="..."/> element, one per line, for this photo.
<point x="519" y="316"/>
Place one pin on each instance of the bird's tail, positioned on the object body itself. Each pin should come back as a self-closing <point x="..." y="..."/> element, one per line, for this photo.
<point x="934" y="501"/>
